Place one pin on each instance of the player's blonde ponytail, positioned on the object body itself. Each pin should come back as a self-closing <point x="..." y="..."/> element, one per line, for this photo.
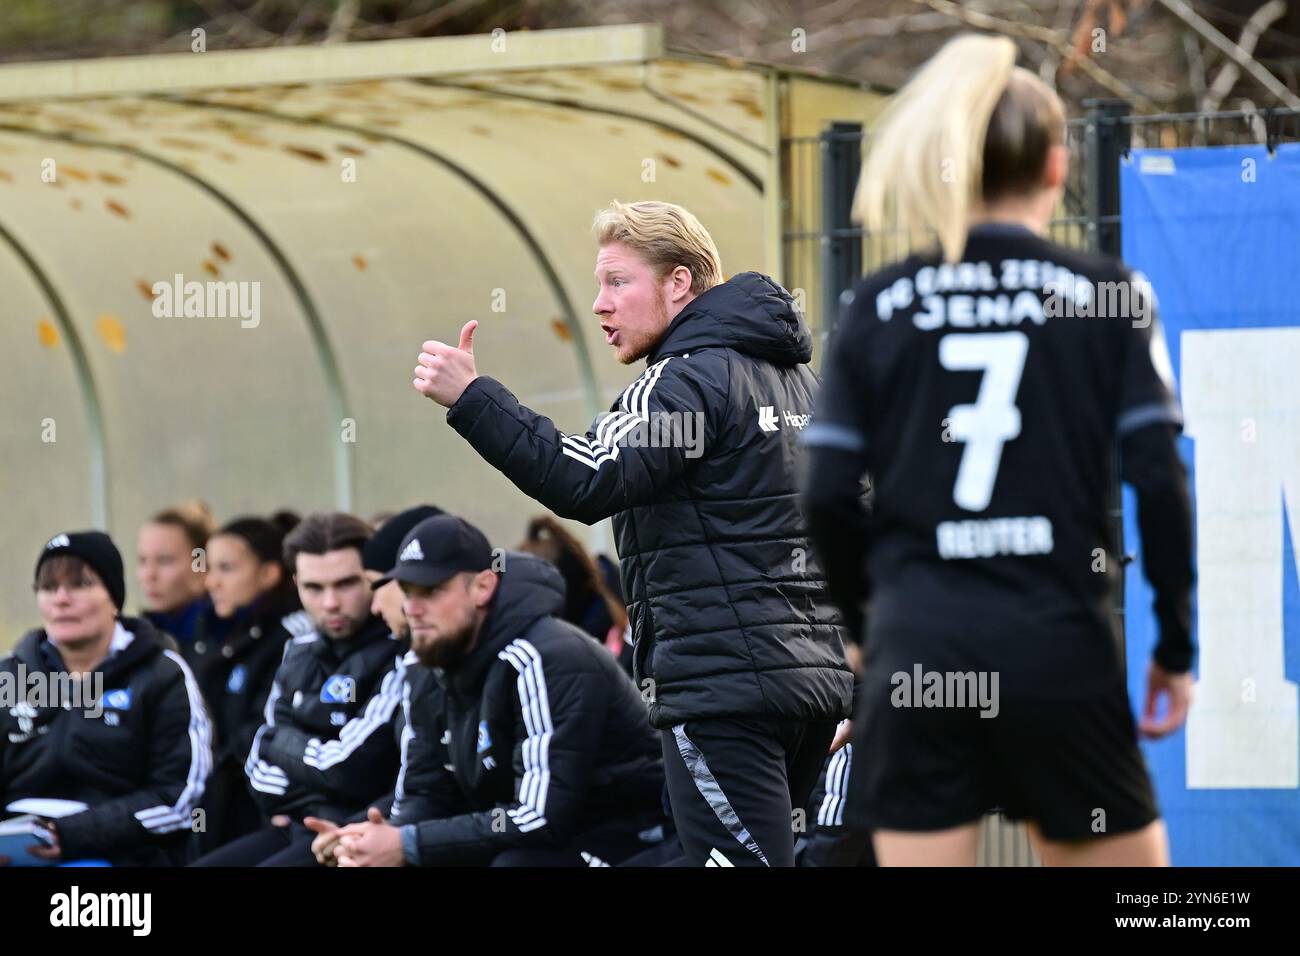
<point x="926" y="162"/>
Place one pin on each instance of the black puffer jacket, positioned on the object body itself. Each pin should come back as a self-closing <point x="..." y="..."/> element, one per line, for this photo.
<point x="729" y="608"/>
<point x="139" y="758"/>
<point x="327" y="747"/>
<point x="535" y="739"/>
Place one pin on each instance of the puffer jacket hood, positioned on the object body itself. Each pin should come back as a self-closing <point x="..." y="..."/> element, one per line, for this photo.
<point x="530" y="588"/>
<point x="749" y="313"/>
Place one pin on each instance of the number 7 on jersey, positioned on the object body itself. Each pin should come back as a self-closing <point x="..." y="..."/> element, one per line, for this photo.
<point x="994" y="419"/>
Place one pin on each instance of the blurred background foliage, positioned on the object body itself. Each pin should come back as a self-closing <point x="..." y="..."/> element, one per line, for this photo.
<point x="1162" y="55"/>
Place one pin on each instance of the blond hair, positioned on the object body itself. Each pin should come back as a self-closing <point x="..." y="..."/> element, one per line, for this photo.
<point x="193" y="517"/>
<point x="971" y="126"/>
<point x="665" y="236"/>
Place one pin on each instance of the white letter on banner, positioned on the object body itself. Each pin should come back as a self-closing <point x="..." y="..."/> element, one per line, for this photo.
<point x="1240" y="490"/>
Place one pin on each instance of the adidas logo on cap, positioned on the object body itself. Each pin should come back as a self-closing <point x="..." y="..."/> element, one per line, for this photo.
<point x="58" y="541"/>
<point x="437" y="548"/>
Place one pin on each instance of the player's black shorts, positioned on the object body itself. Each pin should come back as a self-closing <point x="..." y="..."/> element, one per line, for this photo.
<point x="1070" y="765"/>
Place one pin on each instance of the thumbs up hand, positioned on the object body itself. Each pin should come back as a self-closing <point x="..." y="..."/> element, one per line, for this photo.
<point x="445" y="371"/>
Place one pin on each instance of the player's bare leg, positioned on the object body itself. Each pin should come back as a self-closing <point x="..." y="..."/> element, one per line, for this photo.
<point x="953" y="847"/>
<point x="1146" y="847"/>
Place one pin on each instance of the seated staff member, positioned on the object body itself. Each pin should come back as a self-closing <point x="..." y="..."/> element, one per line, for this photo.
<point x="380" y="554"/>
<point x="237" y="647"/>
<point x="532" y="749"/>
<point x="326" y="749"/>
<point x="173" y="590"/>
<point x="121" y="726"/>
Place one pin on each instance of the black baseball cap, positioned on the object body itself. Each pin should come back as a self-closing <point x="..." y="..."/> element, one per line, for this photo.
<point x="385" y="545"/>
<point x="437" y="548"/>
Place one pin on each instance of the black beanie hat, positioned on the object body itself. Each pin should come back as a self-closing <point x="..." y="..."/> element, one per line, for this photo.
<point x="97" y="550"/>
<point x="380" y="552"/>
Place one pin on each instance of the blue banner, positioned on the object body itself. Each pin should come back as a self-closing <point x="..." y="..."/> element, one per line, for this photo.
<point x="1217" y="231"/>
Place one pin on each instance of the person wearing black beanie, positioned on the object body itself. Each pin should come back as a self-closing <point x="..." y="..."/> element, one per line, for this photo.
<point x="96" y="549"/>
<point x="110" y="716"/>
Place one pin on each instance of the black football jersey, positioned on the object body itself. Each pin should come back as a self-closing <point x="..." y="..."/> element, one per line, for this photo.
<point x="985" y="399"/>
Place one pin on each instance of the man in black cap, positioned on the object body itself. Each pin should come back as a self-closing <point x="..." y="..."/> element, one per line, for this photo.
<point x="377" y="556"/>
<point x="534" y="749"/>
<point x="100" y="709"/>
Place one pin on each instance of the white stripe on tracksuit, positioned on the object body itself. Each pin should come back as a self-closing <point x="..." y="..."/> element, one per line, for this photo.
<point x="635" y="405"/>
<point x="536" y="707"/>
<point x="300" y="626"/>
<point x="399" y="791"/>
<point x="831" y="813"/>
<point x="378" y="712"/>
<point x="164" y="819"/>
<point x="262" y="776"/>
<point x="408" y="734"/>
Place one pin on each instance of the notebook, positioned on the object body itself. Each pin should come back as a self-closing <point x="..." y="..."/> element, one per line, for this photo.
<point x="19" y="833"/>
<point x="28" y="829"/>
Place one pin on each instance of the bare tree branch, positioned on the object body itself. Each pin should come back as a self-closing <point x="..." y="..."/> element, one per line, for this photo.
<point x="1198" y="23"/>
<point x="1033" y="31"/>
<point x="862" y="28"/>
<point x="345" y="15"/>
<point x="418" y="25"/>
<point x="1195" y="64"/>
<point x="1226" y="78"/>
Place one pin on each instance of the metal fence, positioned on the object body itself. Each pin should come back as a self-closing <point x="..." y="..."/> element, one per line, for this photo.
<point x="824" y="252"/>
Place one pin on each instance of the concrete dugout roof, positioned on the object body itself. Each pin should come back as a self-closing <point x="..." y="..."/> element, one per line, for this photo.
<point x="378" y="195"/>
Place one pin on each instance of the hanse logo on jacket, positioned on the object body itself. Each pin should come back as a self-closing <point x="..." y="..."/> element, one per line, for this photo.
<point x="795" y="420"/>
<point x="768" y="421"/>
<point x="118" y="699"/>
<point x="339" y="689"/>
<point x="484" y="745"/>
<point x="235" y="682"/>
